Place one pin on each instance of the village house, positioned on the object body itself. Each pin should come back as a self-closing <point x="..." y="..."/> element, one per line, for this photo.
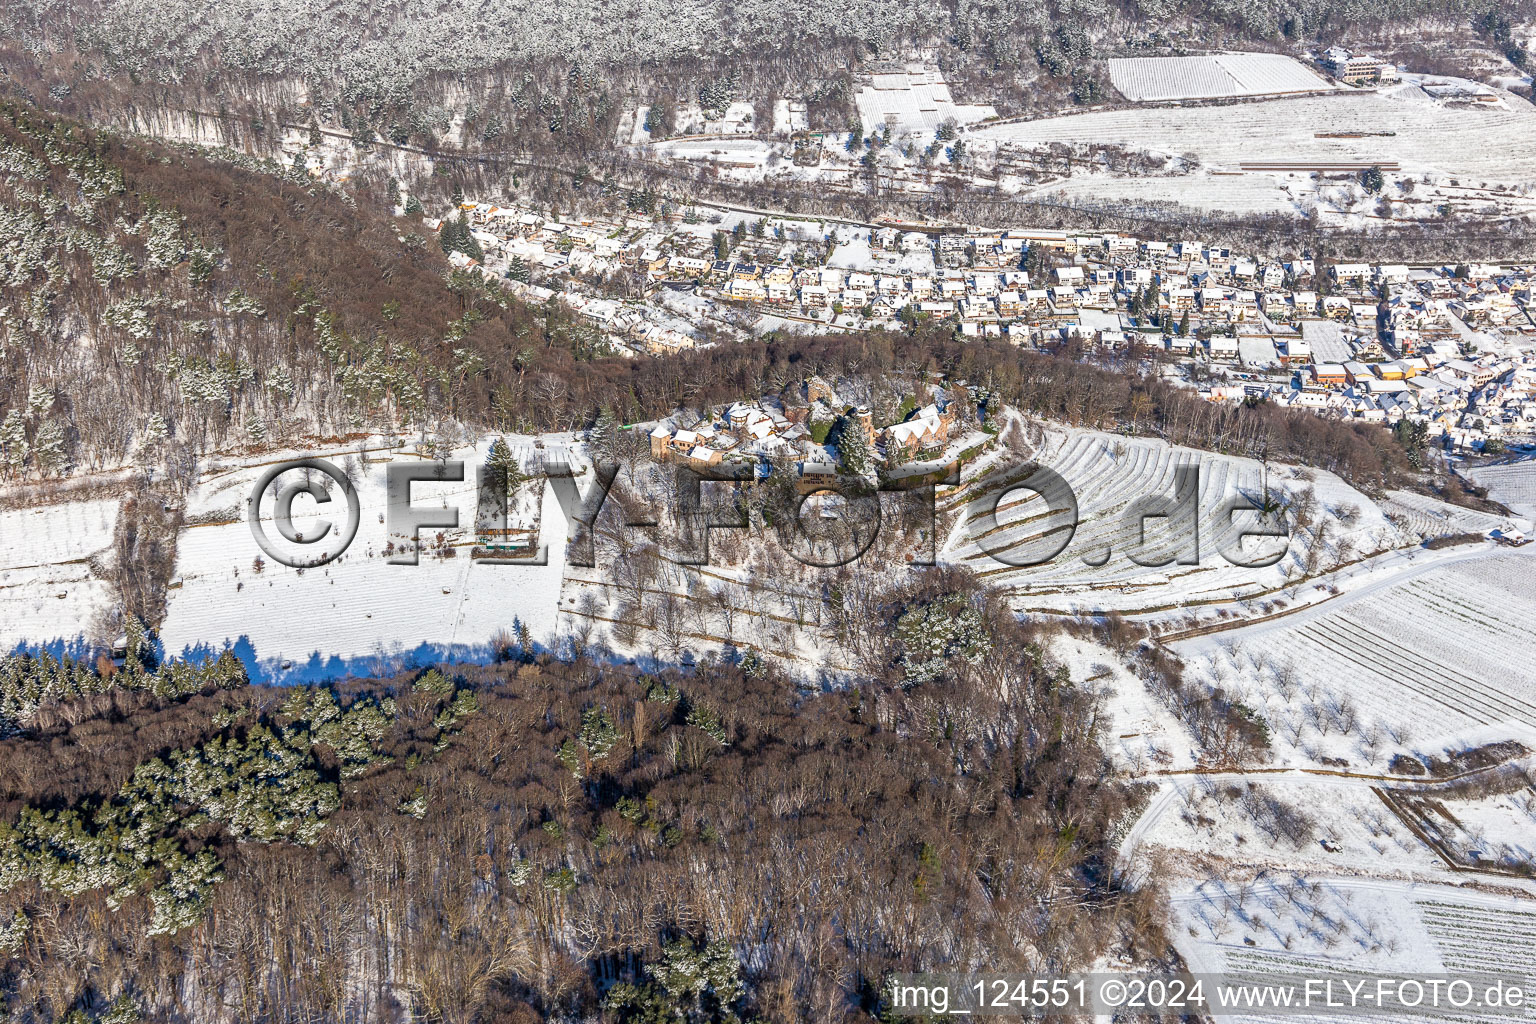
<point x="1330" y="375"/>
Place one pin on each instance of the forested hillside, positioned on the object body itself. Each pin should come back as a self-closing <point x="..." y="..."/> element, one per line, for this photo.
<point x="159" y="304"/>
<point x="532" y="838"/>
<point x="506" y="76"/>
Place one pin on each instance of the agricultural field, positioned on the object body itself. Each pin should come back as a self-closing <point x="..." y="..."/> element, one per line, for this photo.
<point x="1483" y="144"/>
<point x="1486" y="823"/>
<point x="1407" y="667"/>
<point x="1301" y="923"/>
<point x="52" y="587"/>
<point x="1213" y="76"/>
<point x="1296" y="821"/>
<point x="1429" y="517"/>
<point x="1096" y="572"/>
<point x="1476" y="159"/>
<point x="1513" y="484"/>
<point x="915" y="102"/>
<point x="1306" y="873"/>
<point x="358" y="614"/>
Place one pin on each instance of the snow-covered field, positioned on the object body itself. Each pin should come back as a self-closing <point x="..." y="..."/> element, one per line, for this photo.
<point x="1482" y="143"/>
<point x="1307" y="924"/>
<point x="917" y="101"/>
<point x="746" y="159"/>
<point x="1324" y="823"/>
<point x="1431" y="517"/>
<point x="1212" y="76"/>
<point x="48" y="591"/>
<point x="1513" y="484"/>
<point x="1494" y="832"/>
<point x="1400" y="667"/>
<point x="1241" y="193"/>
<point x="1477" y="159"/>
<point x="1297" y="874"/>
<point x="1108" y="475"/>
<point x="357" y="614"/>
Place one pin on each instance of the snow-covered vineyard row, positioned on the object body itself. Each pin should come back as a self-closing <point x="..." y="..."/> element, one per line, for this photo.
<point x="1109" y="475"/>
<point x="1441" y="651"/>
<point x="1512" y="484"/>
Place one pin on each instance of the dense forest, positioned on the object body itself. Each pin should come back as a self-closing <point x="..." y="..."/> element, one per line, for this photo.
<point x="531" y="75"/>
<point x="544" y="837"/>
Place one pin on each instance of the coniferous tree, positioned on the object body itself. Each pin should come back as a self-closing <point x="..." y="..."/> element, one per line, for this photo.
<point x="603" y="438"/>
<point x="853" y="448"/>
<point x="13" y="441"/>
<point x="154" y="434"/>
<point x="501" y="456"/>
<point x="471" y="244"/>
<point x="49" y="448"/>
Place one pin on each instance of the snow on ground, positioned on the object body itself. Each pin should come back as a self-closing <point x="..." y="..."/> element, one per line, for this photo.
<point x="1512" y="484"/>
<point x="1212" y="76"/>
<point x="1391" y="667"/>
<point x="1140" y="733"/>
<point x="915" y="102"/>
<point x="1300" y="872"/>
<point x="852" y="250"/>
<point x="635" y="133"/>
<point x="357" y="614"/>
<point x="1480" y="143"/>
<point x="742" y="155"/>
<point x="1240" y="193"/>
<point x="789" y="116"/>
<point x="1308" y="924"/>
<point x="48" y="591"/>
<point x="1109" y="475"/>
<point x="1496" y="831"/>
<point x="1431" y="517"/>
<point x="1294" y="821"/>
